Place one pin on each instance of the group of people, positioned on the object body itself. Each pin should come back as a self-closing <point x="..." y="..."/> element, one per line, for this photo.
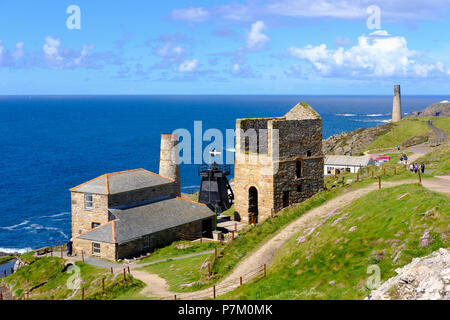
<point x="414" y="167"/>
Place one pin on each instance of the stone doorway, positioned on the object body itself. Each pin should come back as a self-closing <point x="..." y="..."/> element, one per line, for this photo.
<point x="285" y="199"/>
<point x="252" y="205"/>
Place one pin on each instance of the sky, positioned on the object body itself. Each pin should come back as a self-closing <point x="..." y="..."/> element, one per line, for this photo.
<point x="224" y="47"/>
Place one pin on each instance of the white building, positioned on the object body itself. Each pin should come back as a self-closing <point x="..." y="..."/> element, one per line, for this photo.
<point x="335" y="164"/>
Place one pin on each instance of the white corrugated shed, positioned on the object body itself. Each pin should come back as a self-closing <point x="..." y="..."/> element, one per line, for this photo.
<point x="340" y="160"/>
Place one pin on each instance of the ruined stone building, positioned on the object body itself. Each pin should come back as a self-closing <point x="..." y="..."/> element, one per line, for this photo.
<point x="283" y="165"/>
<point x="127" y="213"/>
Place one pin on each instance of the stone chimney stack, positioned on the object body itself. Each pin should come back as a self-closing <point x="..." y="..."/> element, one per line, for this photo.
<point x="169" y="166"/>
<point x="397" y="105"/>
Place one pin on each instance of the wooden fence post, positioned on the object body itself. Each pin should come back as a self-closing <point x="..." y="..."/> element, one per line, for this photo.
<point x="129" y="270"/>
<point x="103" y="285"/>
<point x="215" y="253"/>
<point x="82" y="294"/>
<point x="175" y="297"/>
<point x="124" y="274"/>
<point x="240" y="281"/>
<point x="1" y="295"/>
<point x="232" y="233"/>
<point x="82" y="255"/>
<point x="384" y="170"/>
<point x="420" y="178"/>
<point x="112" y="271"/>
<point x="265" y="270"/>
<point x="379" y="182"/>
<point x="214" y="291"/>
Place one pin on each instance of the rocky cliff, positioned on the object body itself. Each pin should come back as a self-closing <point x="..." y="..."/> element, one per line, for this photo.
<point x="355" y="141"/>
<point x="439" y="109"/>
<point x="426" y="278"/>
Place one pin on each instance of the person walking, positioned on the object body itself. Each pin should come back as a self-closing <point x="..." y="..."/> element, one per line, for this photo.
<point x="69" y="248"/>
<point x="411" y="167"/>
<point x="416" y="168"/>
<point x="422" y="167"/>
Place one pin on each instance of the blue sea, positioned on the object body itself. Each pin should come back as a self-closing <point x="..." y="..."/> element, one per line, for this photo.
<point x="49" y="144"/>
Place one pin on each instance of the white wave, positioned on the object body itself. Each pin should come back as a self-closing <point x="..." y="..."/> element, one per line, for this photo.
<point x="375" y="120"/>
<point x="35" y="227"/>
<point x="374" y="115"/>
<point x="13" y="250"/>
<point x="10" y="228"/>
<point x="57" y="215"/>
<point x="346" y="114"/>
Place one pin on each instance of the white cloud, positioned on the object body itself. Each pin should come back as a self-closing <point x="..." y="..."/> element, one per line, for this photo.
<point x="171" y="52"/>
<point x="191" y="14"/>
<point x="58" y="57"/>
<point x="236" y="68"/>
<point x="255" y="38"/>
<point x="10" y="59"/>
<point x="378" y="54"/>
<point x="188" y="66"/>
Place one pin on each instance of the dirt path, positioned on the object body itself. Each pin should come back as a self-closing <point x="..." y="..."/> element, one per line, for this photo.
<point x="155" y="285"/>
<point x="265" y="253"/>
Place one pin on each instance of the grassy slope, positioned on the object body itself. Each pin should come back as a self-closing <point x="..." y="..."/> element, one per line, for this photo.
<point x="383" y="223"/>
<point x="48" y="273"/>
<point x="438" y="160"/>
<point x="178" y="272"/>
<point x="443" y="124"/>
<point x="403" y="130"/>
<point x="172" y="251"/>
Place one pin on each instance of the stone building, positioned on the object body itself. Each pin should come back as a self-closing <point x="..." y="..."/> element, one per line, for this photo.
<point x="279" y="162"/>
<point x="336" y="164"/>
<point x="126" y="213"/>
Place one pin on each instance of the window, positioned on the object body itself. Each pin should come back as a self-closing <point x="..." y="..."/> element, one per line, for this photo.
<point x="94" y="225"/>
<point x="347" y="170"/>
<point x="329" y="169"/>
<point x="298" y="168"/>
<point x="299" y="187"/>
<point x="308" y="153"/>
<point x="95" y="248"/>
<point x="88" y="201"/>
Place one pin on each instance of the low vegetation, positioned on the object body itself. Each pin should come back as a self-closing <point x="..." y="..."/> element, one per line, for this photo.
<point x="179" y="248"/>
<point x="438" y="161"/>
<point x="47" y="278"/>
<point x="182" y="275"/>
<point x="386" y="228"/>
<point x="402" y="131"/>
<point x="443" y="123"/>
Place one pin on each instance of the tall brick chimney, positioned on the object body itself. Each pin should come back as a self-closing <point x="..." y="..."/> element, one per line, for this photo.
<point x="169" y="160"/>
<point x="397" y="105"/>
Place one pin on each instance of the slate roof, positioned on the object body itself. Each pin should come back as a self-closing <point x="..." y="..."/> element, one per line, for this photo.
<point x="302" y="111"/>
<point x="134" y="222"/>
<point x="348" y="161"/>
<point x="117" y="182"/>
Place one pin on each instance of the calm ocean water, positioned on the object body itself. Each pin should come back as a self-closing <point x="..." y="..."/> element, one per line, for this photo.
<point x="49" y="144"/>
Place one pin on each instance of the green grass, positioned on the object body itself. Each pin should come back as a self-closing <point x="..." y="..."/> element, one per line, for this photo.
<point x="5" y="259"/>
<point x="179" y="272"/>
<point x="172" y="251"/>
<point x="335" y="254"/>
<point x="45" y="279"/>
<point x="443" y="124"/>
<point x="438" y="160"/>
<point x="401" y="131"/>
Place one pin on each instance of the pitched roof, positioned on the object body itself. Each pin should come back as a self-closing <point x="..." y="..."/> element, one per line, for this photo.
<point x="302" y="111"/>
<point x="117" y="182"/>
<point x="348" y="161"/>
<point x="134" y="222"/>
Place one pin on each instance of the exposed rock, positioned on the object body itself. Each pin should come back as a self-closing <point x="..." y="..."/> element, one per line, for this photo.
<point x="439" y="109"/>
<point x="354" y="141"/>
<point x="426" y="278"/>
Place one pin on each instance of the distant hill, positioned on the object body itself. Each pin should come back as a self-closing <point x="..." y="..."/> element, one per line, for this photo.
<point x="438" y="109"/>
